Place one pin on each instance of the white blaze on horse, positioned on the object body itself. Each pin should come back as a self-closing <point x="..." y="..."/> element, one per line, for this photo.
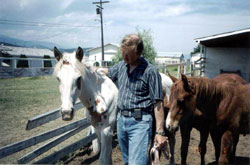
<point x="96" y="92"/>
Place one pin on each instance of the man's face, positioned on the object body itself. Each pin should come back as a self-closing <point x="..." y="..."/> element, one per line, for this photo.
<point x="130" y="56"/>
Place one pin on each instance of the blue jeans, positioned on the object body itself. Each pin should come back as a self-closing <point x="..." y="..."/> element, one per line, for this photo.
<point x="134" y="137"/>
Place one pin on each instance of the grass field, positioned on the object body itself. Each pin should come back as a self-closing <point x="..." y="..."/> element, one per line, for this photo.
<point x="20" y="100"/>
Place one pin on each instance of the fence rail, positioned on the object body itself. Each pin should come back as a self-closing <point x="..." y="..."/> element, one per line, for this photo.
<point x="63" y="133"/>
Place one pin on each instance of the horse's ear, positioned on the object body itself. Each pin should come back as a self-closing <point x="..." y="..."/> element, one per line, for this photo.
<point x="58" y="55"/>
<point x="79" y="54"/>
<point x="185" y="83"/>
<point x="172" y="78"/>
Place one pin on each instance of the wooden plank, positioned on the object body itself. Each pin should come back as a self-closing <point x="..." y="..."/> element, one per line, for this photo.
<point x="18" y="146"/>
<point x="33" y="154"/>
<point x="47" y="117"/>
<point x="66" y="150"/>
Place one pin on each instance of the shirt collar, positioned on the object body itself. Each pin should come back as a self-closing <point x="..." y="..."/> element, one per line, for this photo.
<point x="142" y="64"/>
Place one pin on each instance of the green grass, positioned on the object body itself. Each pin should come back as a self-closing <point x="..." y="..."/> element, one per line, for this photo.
<point x="25" y="93"/>
<point x="22" y="99"/>
<point x="173" y="70"/>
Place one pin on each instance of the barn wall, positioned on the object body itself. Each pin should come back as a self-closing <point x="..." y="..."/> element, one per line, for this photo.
<point x="229" y="59"/>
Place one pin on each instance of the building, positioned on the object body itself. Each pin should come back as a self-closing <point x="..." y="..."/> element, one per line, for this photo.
<point x="22" y="57"/>
<point x="164" y="58"/>
<point x="25" y="62"/>
<point x="196" y="63"/>
<point x="95" y="54"/>
<point x="226" y="53"/>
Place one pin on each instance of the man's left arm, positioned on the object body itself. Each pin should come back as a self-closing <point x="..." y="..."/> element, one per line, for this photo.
<point x="160" y="137"/>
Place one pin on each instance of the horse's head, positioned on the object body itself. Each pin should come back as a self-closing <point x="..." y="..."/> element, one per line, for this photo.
<point x="69" y="80"/>
<point x="182" y="102"/>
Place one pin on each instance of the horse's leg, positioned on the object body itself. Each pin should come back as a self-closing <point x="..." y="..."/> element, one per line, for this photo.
<point x="185" y="138"/>
<point x="171" y="138"/>
<point x="235" y="142"/>
<point x="95" y="143"/>
<point x="202" y="146"/>
<point x="216" y="138"/>
<point x="226" y="146"/>
<point x="106" y="146"/>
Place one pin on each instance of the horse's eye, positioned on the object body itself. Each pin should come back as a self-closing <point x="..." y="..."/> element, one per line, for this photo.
<point x="78" y="82"/>
<point x="180" y="102"/>
<point x="58" y="79"/>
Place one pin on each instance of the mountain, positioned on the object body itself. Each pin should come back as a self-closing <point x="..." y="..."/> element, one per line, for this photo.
<point x="18" y="42"/>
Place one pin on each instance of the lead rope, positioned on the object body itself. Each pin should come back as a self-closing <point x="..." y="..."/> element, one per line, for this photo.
<point x="155" y="156"/>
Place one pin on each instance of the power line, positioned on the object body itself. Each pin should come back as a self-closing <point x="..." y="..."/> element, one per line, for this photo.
<point x="39" y="24"/>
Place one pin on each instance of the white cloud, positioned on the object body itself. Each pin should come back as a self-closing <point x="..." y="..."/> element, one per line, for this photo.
<point x="66" y="3"/>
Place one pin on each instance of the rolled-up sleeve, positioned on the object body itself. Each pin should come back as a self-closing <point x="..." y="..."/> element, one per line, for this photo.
<point x="155" y="86"/>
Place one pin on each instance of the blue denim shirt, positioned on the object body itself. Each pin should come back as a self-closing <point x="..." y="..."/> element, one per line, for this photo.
<point x="139" y="89"/>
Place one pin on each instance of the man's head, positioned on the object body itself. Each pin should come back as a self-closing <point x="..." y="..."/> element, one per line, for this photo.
<point x="131" y="48"/>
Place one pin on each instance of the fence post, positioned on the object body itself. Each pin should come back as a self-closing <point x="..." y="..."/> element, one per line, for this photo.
<point x="13" y="63"/>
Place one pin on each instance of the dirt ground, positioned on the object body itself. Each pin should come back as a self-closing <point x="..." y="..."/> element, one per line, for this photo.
<point x="85" y="156"/>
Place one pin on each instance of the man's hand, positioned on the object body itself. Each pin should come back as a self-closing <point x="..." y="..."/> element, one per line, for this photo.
<point x="161" y="141"/>
<point x="102" y="71"/>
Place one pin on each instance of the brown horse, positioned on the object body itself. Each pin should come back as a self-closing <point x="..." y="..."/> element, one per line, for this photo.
<point x="224" y="104"/>
<point x="199" y="121"/>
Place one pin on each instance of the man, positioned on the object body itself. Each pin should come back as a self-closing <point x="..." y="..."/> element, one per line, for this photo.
<point x="140" y="95"/>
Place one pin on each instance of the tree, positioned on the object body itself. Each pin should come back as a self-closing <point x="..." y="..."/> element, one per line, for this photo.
<point x="197" y="49"/>
<point x="149" y="51"/>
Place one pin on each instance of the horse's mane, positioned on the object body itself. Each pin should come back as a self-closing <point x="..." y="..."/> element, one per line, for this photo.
<point x="211" y="90"/>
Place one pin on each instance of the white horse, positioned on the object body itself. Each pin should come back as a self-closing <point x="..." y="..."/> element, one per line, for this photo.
<point x="166" y="85"/>
<point x="96" y="92"/>
<point x="154" y="153"/>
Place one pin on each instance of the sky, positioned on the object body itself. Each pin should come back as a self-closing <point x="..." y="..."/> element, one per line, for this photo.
<point x="174" y="24"/>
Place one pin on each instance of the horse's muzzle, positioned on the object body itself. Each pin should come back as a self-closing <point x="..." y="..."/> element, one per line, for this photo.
<point x="67" y="115"/>
<point x="172" y="129"/>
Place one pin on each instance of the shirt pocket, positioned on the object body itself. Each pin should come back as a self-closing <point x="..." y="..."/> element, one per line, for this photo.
<point x="138" y="86"/>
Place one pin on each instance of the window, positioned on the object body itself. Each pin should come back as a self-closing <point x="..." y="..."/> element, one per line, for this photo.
<point x="47" y="63"/>
<point x="22" y="63"/>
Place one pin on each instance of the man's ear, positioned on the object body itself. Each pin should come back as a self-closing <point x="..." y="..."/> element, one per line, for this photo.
<point x="58" y="55"/>
<point x="172" y="78"/>
<point x="79" y="54"/>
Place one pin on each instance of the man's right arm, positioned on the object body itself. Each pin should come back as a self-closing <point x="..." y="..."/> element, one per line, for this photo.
<point x="111" y="72"/>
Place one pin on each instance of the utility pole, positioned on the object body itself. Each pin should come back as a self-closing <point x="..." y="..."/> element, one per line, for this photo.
<point x="99" y="11"/>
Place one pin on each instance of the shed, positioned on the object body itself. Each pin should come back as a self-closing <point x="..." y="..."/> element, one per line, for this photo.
<point x="226" y="53"/>
<point x="31" y="57"/>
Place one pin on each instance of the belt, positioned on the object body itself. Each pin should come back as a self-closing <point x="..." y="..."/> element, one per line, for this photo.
<point x="130" y="112"/>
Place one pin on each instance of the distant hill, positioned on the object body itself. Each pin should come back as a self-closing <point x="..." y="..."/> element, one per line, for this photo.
<point x="9" y="41"/>
<point x="6" y="40"/>
<point x="74" y="49"/>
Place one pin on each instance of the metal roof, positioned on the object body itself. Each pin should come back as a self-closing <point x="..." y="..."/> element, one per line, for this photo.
<point x="117" y="45"/>
<point x="239" y="38"/>
<point x="12" y="50"/>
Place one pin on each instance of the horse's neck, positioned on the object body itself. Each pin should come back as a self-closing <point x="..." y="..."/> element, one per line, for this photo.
<point x="91" y="82"/>
<point x="208" y="94"/>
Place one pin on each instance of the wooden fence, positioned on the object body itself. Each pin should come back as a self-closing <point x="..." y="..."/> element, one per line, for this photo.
<point x="181" y="68"/>
<point x="62" y="133"/>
